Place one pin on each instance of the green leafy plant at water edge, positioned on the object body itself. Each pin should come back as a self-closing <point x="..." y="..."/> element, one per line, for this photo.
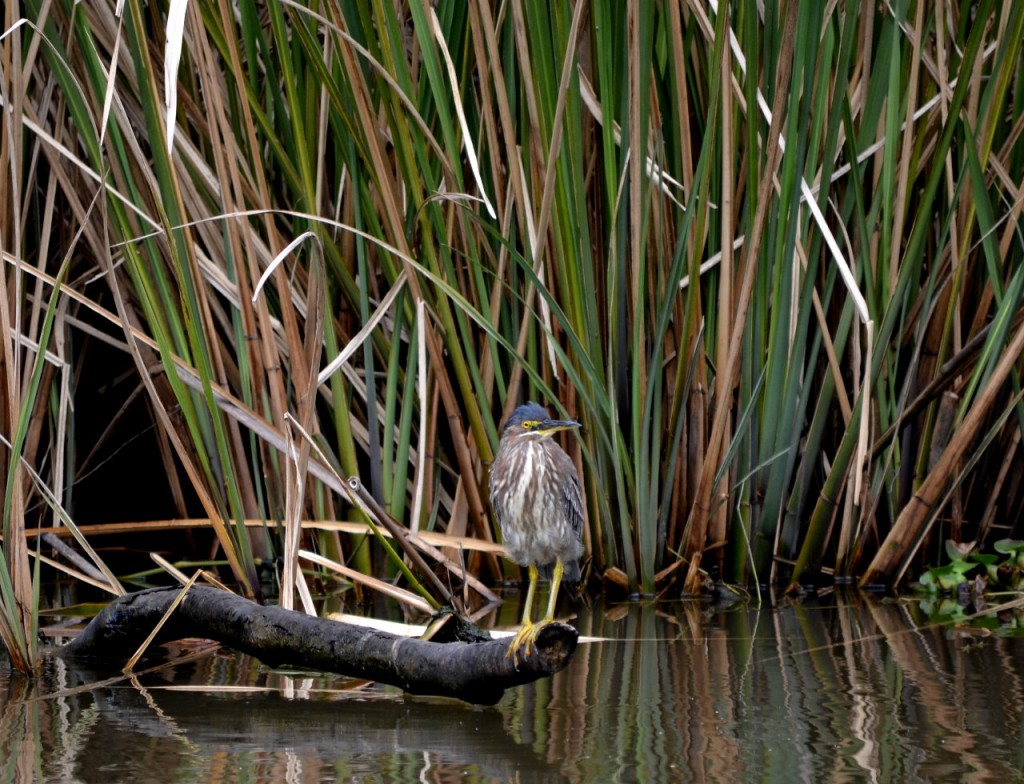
<point x="966" y="566"/>
<point x="1010" y="571"/>
<point x="972" y="589"/>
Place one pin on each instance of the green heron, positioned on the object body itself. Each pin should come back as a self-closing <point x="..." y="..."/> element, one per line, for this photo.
<point x="535" y="494"/>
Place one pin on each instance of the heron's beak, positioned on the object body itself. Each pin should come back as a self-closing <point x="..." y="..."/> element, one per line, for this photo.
<point x="551" y="426"/>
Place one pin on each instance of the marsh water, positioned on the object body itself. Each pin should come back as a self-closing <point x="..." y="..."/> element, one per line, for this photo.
<point x="836" y="688"/>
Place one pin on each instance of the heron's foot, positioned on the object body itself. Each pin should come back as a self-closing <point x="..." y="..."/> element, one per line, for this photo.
<point x="525" y="639"/>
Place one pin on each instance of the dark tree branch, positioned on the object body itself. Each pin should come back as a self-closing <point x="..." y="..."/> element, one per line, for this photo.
<point x="476" y="672"/>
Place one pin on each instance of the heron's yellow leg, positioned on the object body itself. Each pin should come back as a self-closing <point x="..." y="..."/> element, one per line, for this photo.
<point x="530" y="592"/>
<point x="526" y="633"/>
<point x="556" y="580"/>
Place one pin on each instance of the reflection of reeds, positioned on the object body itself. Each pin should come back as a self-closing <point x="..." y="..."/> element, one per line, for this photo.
<point x="848" y="691"/>
<point x="751" y="249"/>
<point x="818" y="693"/>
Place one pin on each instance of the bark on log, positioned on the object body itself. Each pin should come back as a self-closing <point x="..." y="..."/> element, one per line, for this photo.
<point x="476" y="672"/>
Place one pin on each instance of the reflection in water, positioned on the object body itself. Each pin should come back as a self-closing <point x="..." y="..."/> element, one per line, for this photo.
<point x="832" y="690"/>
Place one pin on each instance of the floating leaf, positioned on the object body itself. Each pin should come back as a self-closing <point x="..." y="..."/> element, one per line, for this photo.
<point x="957" y="551"/>
<point x="1007" y="546"/>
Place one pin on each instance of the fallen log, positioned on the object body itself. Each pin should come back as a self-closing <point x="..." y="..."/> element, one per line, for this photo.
<point x="475" y="672"/>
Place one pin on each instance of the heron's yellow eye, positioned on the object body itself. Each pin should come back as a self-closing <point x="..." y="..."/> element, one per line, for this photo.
<point x="530" y="424"/>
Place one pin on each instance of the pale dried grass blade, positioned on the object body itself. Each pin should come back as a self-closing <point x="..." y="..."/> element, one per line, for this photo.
<point x="179" y="575"/>
<point x="391" y="627"/>
<point x="399" y="594"/>
<point x="467" y="137"/>
<point x="127" y="669"/>
<point x="805" y="191"/>
<point x="73" y="573"/>
<point x="168" y="567"/>
<point x="276" y="262"/>
<point x="172" y="59"/>
<point x="108" y="95"/>
<point x="423" y="401"/>
<point x="114" y="585"/>
<point x="661" y="179"/>
<point x="357" y="340"/>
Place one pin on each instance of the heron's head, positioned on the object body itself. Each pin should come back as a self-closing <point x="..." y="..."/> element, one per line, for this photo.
<point x="532" y="422"/>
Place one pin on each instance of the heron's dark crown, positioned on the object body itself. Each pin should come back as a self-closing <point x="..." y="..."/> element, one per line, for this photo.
<point x="525" y="413"/>
<point x="531" y="423"/>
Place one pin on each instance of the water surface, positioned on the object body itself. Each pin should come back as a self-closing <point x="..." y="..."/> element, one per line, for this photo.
<point x="831" y="689"/>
